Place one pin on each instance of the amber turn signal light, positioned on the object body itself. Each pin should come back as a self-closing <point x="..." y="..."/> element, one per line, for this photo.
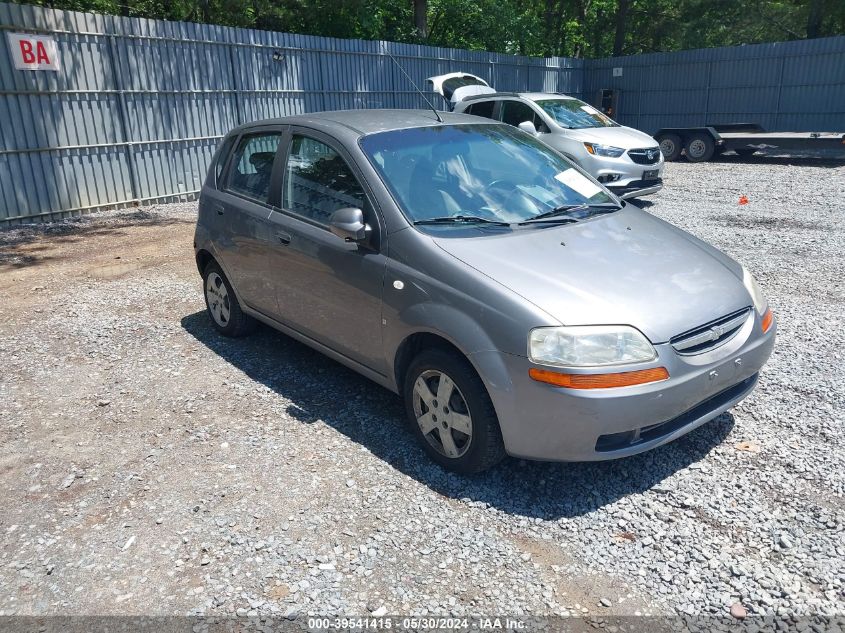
<point x="598" y="381"/>
<point x="768" y="319"/>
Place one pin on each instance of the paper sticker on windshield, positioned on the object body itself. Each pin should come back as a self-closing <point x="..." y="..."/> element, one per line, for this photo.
<point x="574" y="179"/>
<point x="589" y="109"/>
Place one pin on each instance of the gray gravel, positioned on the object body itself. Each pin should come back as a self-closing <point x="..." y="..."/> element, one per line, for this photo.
<point x="150" y="466"/>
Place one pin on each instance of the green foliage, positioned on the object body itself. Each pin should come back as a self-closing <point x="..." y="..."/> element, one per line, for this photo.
<point x="582" y="28"/>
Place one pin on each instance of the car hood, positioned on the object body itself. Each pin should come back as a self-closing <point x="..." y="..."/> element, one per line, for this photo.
<point x="624" y="268"/>
<point x="624" y="137"/>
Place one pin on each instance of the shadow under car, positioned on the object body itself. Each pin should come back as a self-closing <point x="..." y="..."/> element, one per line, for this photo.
<point x="322" y="390"/>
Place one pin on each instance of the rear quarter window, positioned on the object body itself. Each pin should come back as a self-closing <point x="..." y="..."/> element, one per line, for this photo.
<point x="222" y="157"/>
<point x="483" y="108"/>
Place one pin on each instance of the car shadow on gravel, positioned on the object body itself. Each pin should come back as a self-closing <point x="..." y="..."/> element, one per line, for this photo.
<point x="319" y="389"/>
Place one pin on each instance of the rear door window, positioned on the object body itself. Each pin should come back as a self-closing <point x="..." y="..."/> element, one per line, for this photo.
<point x="252" y="166"/>
<point x="482" y="108"/>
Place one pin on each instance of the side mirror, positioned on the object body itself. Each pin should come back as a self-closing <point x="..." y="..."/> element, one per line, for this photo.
<point x="348" y="224"/>
<point x="528" y="126"/>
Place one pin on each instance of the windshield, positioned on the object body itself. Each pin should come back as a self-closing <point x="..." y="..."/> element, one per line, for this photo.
<point x="575" y="114"/>
<point x="488" y="172"/>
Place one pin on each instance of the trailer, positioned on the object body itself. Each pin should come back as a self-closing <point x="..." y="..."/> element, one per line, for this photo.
<point x="700" y="144"/>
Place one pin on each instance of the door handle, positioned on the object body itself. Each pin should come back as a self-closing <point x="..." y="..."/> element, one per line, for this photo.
<point x="283" y="238"/>
<point x="218" y="208"/>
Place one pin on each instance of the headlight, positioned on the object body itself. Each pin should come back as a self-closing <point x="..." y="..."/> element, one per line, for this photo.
<point x="760" y="303"/>
<point x="588" y="346"/>
<point x="604" y="150"/>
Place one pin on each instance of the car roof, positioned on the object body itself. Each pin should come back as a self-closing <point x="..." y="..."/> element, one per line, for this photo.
<point x="531" y="96"/>
<point x="363" y="122"/>
<point x="536" y="96"/>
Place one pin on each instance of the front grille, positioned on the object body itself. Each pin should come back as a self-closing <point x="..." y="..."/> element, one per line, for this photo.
<point x="645" y="156"/>
<point x="710" y="335"/>
<point x="618" y="441"/>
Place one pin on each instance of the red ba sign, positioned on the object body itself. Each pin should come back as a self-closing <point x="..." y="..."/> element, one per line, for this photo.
<point x="33" y="52"/>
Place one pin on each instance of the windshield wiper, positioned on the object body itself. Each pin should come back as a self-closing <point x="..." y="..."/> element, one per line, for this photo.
<point x="457" y="219"/>
<point x="561" y="213"/>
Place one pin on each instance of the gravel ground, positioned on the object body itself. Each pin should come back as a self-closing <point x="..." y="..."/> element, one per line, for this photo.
<point x="151" y="467"/>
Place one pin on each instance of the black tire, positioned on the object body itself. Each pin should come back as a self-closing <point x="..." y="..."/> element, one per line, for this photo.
<point x="671" y="146"/>
<point x="236" y="323"/>
<point x="485" y="447"/>
<point x="700" y="148"/>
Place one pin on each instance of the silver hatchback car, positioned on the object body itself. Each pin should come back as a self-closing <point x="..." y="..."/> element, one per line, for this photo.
<point x="516" y="305"/>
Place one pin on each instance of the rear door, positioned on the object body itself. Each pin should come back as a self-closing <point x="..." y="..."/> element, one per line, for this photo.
<point x="326" y="288"/>
<point x="243" y="210"/>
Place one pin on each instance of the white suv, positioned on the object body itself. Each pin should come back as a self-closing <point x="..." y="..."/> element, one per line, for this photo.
<point x="625" y="160"/>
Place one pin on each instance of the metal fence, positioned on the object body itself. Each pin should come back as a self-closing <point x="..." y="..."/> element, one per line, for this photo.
<point x="139" y="105"/>
<point x="786" y="86"/>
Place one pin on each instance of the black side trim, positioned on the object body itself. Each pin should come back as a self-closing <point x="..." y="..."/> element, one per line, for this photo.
<point x="617" y="441"/>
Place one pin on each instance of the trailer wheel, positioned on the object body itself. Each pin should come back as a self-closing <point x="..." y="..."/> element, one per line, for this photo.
<point x="700" y="148"/>
<point x="671" y="146"/>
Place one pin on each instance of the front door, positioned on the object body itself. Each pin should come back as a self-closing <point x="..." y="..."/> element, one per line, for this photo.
<point x="327" y="288"/>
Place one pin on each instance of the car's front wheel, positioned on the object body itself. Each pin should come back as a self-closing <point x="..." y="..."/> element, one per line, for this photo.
<point x="451" y="413"/>
<point x="222" y="304"/>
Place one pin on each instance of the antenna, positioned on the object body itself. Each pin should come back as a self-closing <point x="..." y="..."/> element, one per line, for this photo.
<point x="436" y="113"/>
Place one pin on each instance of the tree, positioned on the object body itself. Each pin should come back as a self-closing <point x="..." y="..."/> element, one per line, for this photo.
<point x="582" y="28"/>
<point x="814" y="19"/>
<point x="421" y="18"/>
<point x="621" y="24"/>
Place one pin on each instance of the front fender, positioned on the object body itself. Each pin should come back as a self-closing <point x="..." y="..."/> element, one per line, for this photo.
<point x="443" y="296"/>
<point x="442" y="320"/>
<point x="460" y="330"/>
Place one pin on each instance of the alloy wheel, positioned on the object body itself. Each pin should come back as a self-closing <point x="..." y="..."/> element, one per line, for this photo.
<point x="218" y="299"/>
<point x="442" y="413"/>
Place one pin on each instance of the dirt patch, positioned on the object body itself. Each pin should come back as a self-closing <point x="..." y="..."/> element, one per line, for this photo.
<point x="584" y="594"/>
<point x="115" y="271"/>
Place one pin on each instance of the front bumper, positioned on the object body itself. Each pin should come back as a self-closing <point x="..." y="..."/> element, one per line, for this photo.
<point x="636" y="188"/>
<point x="623" y="176"/>
<point x="540" y="421"/>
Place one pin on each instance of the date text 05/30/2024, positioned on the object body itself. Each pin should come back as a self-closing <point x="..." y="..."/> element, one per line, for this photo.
<point x="416" y="624"/>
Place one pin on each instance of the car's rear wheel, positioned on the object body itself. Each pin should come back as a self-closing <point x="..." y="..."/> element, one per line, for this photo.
<point x="671" y="146"/>
<point x="451" y="413"/>
<point x="700" y="148"/>
<point x="222" y="304"/>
